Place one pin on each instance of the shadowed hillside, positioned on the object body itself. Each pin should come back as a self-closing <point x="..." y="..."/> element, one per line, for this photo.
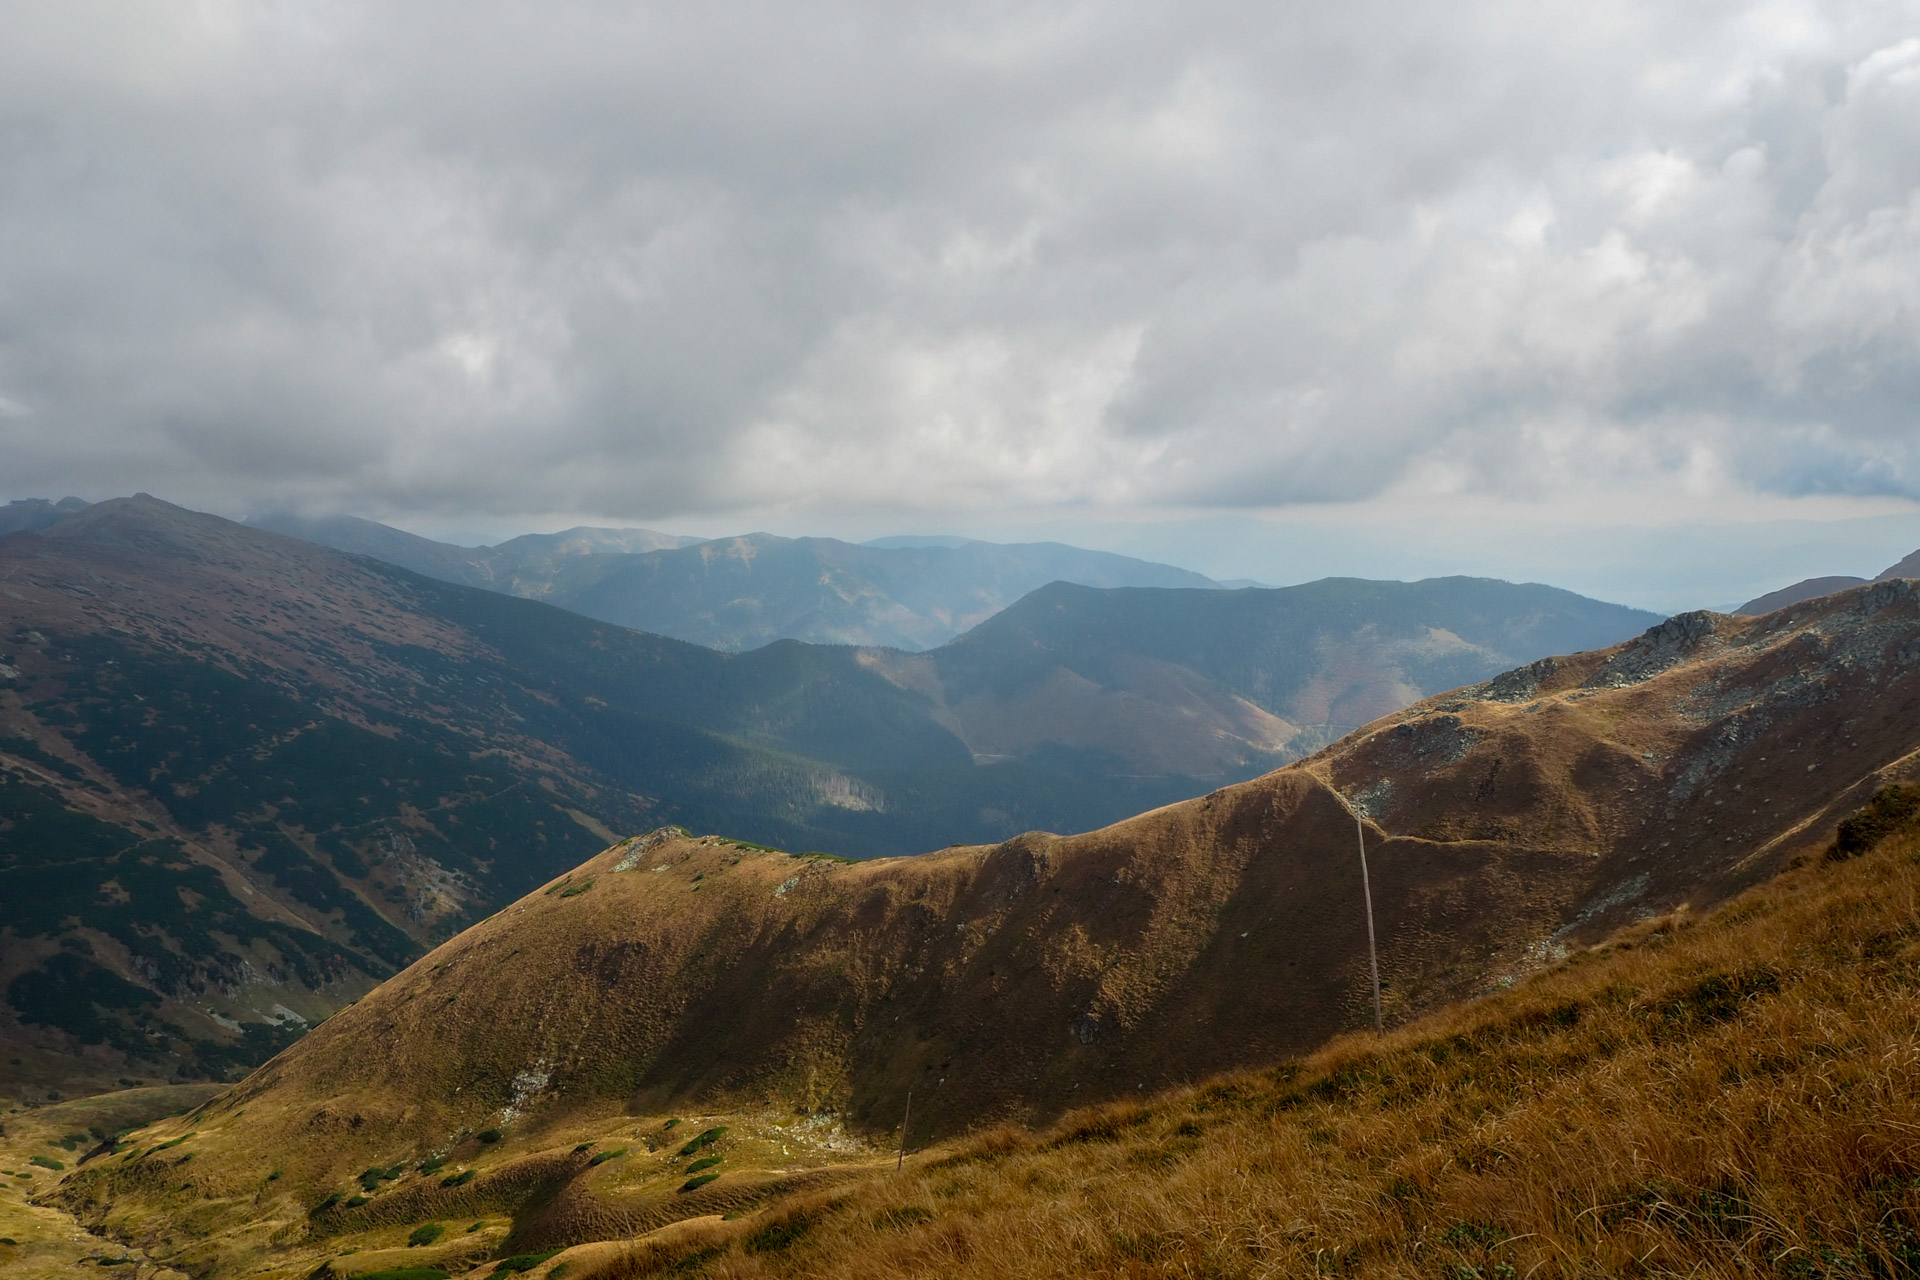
<point x="1510" y="824"/>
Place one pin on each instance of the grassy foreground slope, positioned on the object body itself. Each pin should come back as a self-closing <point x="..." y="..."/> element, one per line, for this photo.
<point x="1730" y="1094"/>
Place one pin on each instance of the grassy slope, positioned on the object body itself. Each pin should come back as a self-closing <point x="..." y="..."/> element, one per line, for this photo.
<point x="38" y="1242"/>
<point x="1733" y="1094"/>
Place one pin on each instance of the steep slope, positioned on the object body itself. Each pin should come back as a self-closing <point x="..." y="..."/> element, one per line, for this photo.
<point x="1507" y="823"/>
<point x="1147" y="681"/>
<point x="243" y="777"/>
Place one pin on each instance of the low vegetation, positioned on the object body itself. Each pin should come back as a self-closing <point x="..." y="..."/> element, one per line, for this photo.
<point x="1732" y="1094"/>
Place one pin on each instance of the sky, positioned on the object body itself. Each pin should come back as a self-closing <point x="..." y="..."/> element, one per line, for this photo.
<point x="1624" y="297"/>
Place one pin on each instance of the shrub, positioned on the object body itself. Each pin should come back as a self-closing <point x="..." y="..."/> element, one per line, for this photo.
<point x="694" y="1184"/>
<point x="488" y="1135"/>
<point x="433" y="1165"/>
<point x="605" y="1156"/>
<point x="585" y="1146"/>
<point x="326" y="1204"/>
<point x="669" y="1124"/>
<point x="460" y="1179"/>
<point x="522" y="1262"/>
<point x="425" y="1235"/>
<point x="704" y="1162"/>
<point x="46" y="1162"/>
<point x="705" y="1140"/>
<point x="403" y="1273"/>
<point x="1891" y="808"/>
<point x="575" y="890"/>
<point x="355" y="1200"/>
<point x="276" y="1175"/>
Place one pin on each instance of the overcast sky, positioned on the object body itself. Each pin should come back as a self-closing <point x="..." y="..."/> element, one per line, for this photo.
<point x="1564" y="291"/>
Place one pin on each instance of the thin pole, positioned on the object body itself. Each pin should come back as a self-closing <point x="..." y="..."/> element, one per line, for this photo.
<point x="1373" y="955"/>
<point x="907" y="1116"/>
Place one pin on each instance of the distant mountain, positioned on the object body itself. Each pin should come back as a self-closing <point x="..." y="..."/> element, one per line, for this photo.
<point x="1151" y="681"/>
<point x="1808" y="589"/>
<point x="1813" y="588"/>
<point x="523" y="566"/>
<point x="740" y="593"/>
<point x="23" y="515"/>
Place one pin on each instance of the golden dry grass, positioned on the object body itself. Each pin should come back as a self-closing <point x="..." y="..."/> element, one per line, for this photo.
<point x="1732" y="1095"/>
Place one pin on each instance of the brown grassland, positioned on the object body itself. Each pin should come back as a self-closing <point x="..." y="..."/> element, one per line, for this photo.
<point x="1733" y="1094"/>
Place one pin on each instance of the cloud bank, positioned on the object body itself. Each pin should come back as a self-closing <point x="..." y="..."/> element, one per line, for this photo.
<point x="662" y="261"/>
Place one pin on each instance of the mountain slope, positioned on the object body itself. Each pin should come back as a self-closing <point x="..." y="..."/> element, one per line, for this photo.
<point x="243" y="777"/>
<point x="1148" y="681"/>
<point x="1507" y="823"/>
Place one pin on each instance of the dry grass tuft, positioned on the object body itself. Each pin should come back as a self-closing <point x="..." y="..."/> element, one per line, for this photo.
<point x="1731" y="1095"/>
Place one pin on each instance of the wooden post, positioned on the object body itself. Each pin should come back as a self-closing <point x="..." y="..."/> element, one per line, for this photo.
<point x="1373" y="955"/>
<point x="907" y="1116"/>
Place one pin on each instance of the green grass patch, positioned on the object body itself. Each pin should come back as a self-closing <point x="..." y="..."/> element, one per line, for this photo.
<point x="401" y="1273"/>
<point x="575" y="890"/>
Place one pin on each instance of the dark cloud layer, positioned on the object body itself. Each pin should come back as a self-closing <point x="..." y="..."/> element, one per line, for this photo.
<point x="693" y="259"/>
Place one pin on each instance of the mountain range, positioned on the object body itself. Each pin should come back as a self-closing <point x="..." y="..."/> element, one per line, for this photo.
<point x="684" y="1029"/>
<point x="243" y="777"/>
<point x="740" y="593"/>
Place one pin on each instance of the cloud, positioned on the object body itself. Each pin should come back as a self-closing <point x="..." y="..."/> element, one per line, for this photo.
<point x="680" y="260"/>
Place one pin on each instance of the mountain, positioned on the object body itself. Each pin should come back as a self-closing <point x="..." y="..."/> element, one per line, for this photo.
<point x="28" y="514"/>
<point x="523" y="566"/>
<point x="1811" y="588"/>
<point x="1149" y="682"/>
<point x="740" y="593"/>
<point x="242" y="777"/>
<point x="780" y="1008"/>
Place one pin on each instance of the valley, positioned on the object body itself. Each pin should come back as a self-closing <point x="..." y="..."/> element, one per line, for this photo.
<point x="708" y="1047"/>
<point x="244" y="778"/>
